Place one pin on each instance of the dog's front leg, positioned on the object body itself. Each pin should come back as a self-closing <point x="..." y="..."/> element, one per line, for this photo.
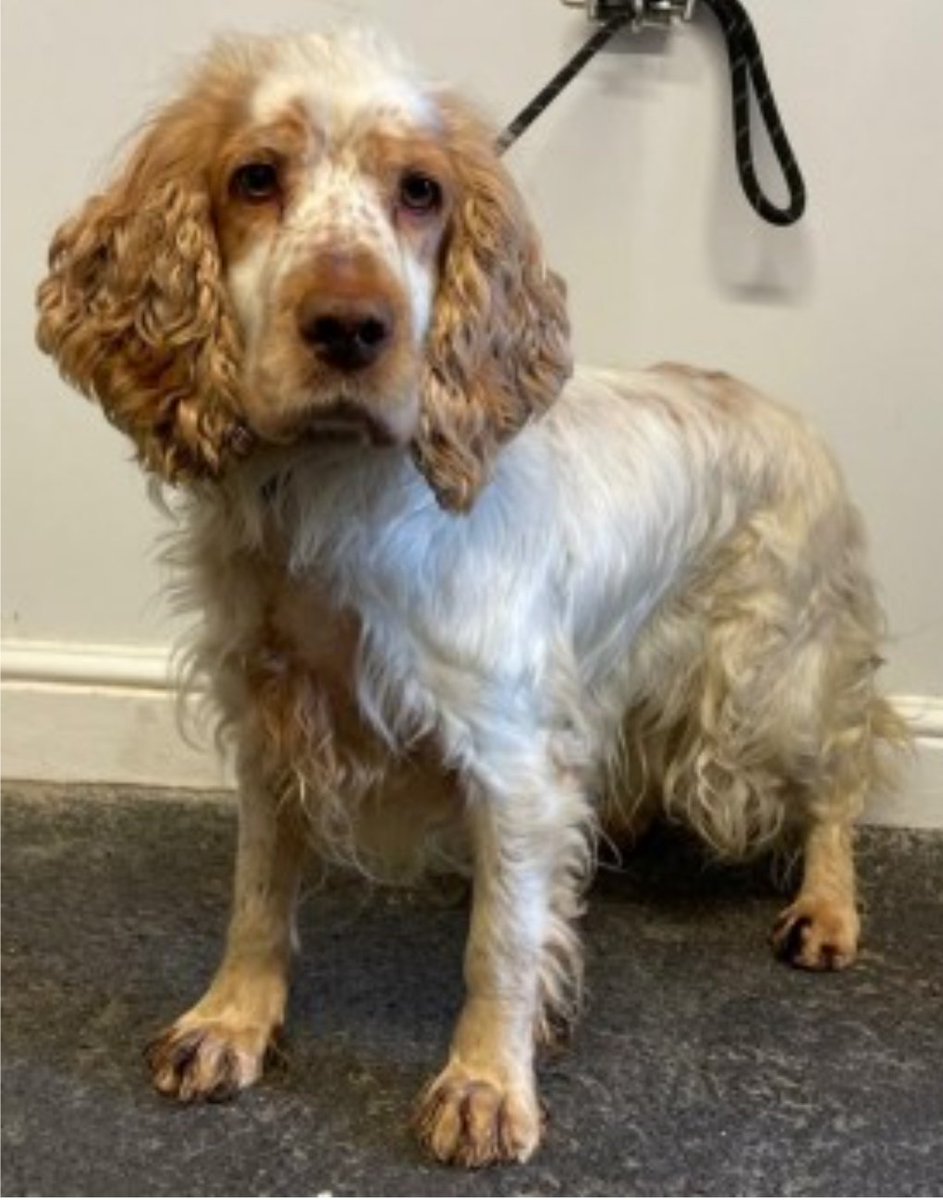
<point x="218" y="1046"/>
<point x="530" y="850"/>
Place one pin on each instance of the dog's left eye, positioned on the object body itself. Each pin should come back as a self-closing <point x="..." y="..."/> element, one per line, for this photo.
<point x="419" y="193"/>
<point x="255" y="182"/>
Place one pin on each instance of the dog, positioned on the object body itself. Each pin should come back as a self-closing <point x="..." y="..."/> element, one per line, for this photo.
<point x="462" y="606"/>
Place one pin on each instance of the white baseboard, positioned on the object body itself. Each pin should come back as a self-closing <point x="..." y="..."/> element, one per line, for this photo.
<point x="106" y="714"/>
<point x="97" y="714"/>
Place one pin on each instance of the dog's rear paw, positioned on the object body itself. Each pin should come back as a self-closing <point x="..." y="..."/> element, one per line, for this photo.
<point x="472" y="1122"/>
<point x="204" y="1059"/>
<point x="818" y="935"/>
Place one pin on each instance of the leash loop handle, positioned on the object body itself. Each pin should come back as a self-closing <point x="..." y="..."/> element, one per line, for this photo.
<point x="747" y="69"/>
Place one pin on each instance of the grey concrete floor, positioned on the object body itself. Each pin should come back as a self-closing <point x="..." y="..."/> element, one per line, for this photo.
<point x="701" y="1066"/>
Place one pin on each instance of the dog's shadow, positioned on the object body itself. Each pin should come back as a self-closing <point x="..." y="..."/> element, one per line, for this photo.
<point x="669" y="869"/>
<point x="384" y="967"/>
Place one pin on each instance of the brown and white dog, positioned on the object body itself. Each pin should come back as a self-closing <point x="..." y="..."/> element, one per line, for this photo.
<point x="461" y="607"/>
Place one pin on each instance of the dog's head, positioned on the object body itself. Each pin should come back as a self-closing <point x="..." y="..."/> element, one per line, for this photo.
<point x="308" y="243"/>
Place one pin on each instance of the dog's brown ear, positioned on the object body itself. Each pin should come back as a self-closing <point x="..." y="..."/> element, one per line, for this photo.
<point x="135" y="313"/>
<point x="498" y="347"/>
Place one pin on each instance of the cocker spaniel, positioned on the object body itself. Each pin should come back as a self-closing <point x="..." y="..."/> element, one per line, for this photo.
<point x="461" y="606"/>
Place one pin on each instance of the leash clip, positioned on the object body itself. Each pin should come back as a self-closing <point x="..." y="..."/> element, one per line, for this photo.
<point x="639" y="14"/>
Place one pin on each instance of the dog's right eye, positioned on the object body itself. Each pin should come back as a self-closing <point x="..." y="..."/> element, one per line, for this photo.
<point x="255" y="182"/>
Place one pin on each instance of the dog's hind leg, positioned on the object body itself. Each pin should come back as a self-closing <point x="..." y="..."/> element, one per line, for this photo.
<point x="819" y="930"/>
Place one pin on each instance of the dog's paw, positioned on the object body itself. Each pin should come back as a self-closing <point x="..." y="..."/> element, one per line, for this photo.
<point x="204" y="1059"/>
<point x="472" y="1120"/>
<point x="818" y="935"/>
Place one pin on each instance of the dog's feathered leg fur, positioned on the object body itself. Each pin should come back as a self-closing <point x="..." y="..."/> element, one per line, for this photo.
<point x="522" y="964"/>
<point x="219" y="1045"/>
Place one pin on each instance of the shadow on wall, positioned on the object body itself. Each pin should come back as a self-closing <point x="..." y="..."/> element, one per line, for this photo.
<point x="750" y="260"/>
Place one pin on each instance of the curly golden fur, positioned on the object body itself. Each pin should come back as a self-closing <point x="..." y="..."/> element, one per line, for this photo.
<point x="135" y="310"/>
<point x="498" y="349"/>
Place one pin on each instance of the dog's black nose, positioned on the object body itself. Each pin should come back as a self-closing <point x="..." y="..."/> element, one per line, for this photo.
<point x="348" y="335"/>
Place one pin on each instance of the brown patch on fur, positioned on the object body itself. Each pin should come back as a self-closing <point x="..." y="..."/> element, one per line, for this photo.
<point x="696" y="375"/>
<point x="299" y="679"/>
<point x="388" y="156"/>
<point x="498" y="351"/>
<point x="290" y="144"/>
<point x="362" y="804"/>
<point x="725" y="393"/>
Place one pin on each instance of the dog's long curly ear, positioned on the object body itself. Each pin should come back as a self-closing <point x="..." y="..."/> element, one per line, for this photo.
<point x="498" y="346"/>
<point x="134" y="310"/>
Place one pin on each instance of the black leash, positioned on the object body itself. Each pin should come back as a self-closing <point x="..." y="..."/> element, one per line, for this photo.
<point x="545" y="97"/>
<point x="747" y="69"/>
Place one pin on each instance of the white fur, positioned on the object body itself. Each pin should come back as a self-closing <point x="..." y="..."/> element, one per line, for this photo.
<point x="340" y="79"/>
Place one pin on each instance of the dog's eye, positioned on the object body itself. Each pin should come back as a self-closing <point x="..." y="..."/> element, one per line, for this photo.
<point x="255" y="182"/>
<point x="419" y="193"/>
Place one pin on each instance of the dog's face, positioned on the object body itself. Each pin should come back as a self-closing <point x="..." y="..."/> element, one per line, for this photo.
<point x="307" y="244"/>
<point x="333" y="199"/>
